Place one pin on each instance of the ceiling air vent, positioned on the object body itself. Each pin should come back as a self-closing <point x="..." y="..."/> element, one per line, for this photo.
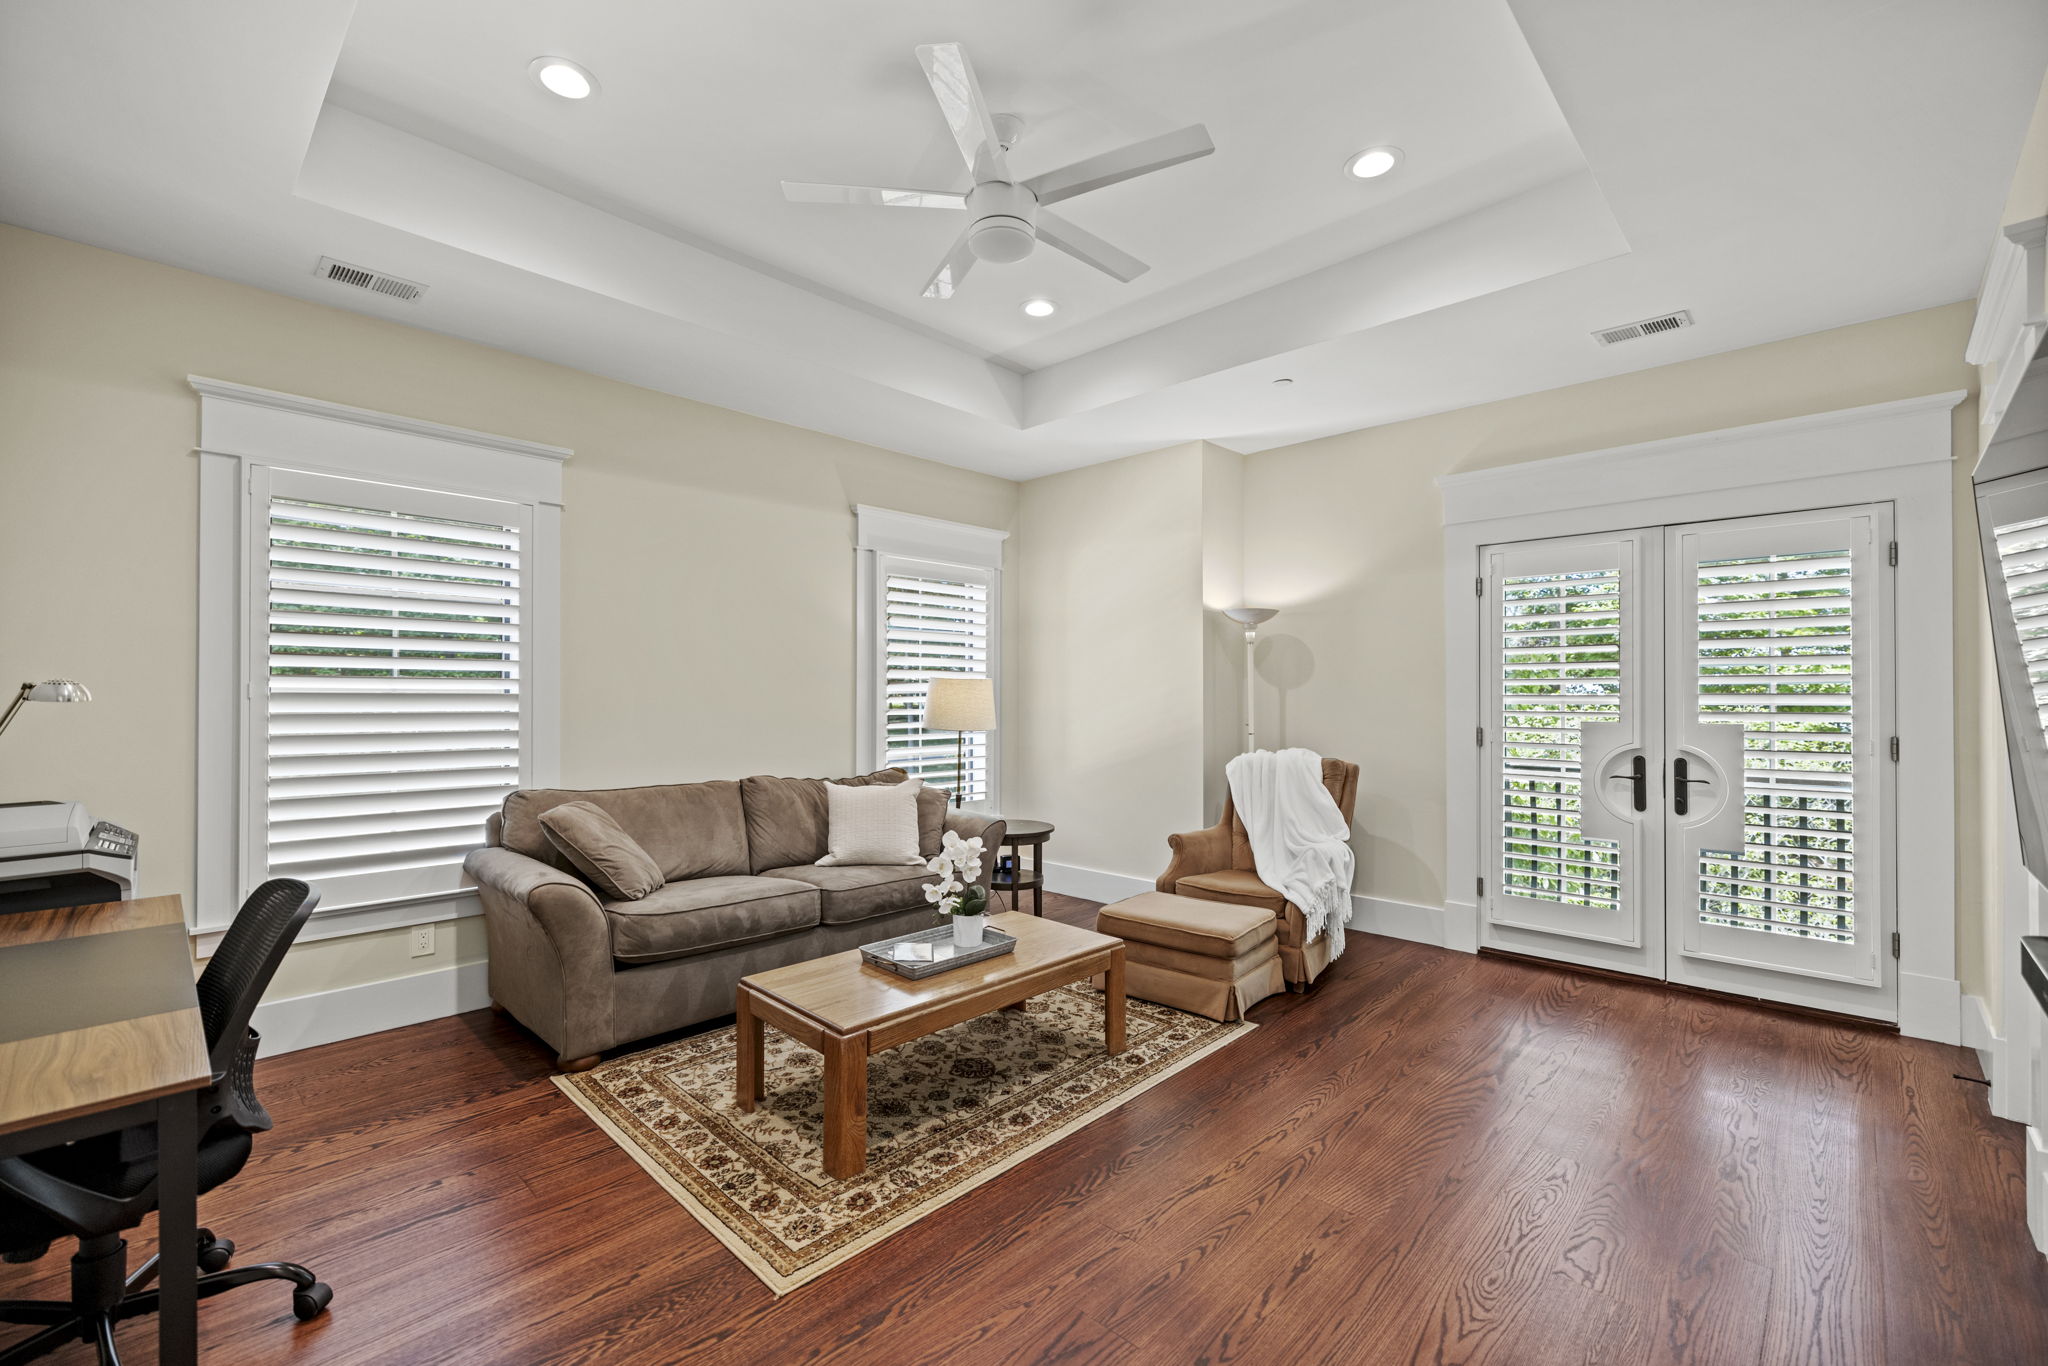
<point x="342" y="273"/>
<point x="1648" y="327"/>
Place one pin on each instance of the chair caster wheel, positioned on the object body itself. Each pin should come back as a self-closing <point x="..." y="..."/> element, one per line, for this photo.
<point x="310" y="1303"/>
<point x="216" y="1255"/>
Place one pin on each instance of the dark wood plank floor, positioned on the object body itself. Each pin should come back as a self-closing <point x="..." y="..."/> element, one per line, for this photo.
<point x="1431" y="1158"/>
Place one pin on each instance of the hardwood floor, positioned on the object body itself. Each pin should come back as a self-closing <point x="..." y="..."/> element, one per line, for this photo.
<point x="1430" y="1158"/>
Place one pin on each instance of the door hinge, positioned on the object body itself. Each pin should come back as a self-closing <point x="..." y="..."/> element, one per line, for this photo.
<point x="1895" y="943"/>
<point x="1895" y="749"/>
<point x="1482" y="887"/>
<point x="1895" y="554"/>
<point x="1479" y="587"/>
<point x="1479" y="737"/>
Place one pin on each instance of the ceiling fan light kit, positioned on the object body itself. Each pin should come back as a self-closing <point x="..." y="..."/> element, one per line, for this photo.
<point x="1009" y="218"/>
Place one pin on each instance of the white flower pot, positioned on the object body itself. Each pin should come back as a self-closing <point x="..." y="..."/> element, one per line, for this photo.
<point x="967" y="930"/>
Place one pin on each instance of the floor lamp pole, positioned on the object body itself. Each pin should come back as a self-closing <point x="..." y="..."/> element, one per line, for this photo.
<point x="1249" y="618"/>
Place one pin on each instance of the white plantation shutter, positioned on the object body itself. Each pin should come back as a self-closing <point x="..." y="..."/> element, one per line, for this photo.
<point x="935" y="620"/>
<point x="1776" y="657"/>
<point x="393" y="717"/>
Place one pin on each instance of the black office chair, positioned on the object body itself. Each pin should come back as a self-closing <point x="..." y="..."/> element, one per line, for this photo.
<point x="97" y="1188"/>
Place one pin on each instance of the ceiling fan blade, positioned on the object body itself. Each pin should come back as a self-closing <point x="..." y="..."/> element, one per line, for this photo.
<point x="959" y="95"/>
<point x="801" y="192"/>
<point x="1140" y="158"/>
<point x="1089" y="249"/>
<point x="959" y="260"/>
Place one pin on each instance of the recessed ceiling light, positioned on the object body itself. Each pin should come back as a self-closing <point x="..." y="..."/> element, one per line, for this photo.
<point x="1040" y="308"/>
<point x="1372" y="163"/>
<point x="560" y="76"/>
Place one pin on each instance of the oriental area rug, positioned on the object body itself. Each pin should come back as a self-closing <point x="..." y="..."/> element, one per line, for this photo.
<point x="946" y="1113"/>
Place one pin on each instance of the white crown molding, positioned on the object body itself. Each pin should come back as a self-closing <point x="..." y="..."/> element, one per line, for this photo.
<point x="2012" y="317"/>
<point x="366" y="417"/>
<point x="1786" y="450"/>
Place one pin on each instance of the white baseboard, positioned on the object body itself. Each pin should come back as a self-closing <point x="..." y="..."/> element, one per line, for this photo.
<point x="346" y="1012"/>
<point x="1092" y="884"/>
<point x="1983" y="1038"/>
<point x="2037" y="1188"/>
<point x="1930" y="1007"/>
<point x="1369" y="914"/>
<point x="1398" y="919"/>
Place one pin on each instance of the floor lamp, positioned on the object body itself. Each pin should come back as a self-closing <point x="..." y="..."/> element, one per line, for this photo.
<point x="1249" y="618"/>
<point x="959" y="703"/>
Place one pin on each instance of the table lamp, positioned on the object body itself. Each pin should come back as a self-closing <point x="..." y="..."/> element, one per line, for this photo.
<point x="55" y="690"/>
<point x="960" y="703"/>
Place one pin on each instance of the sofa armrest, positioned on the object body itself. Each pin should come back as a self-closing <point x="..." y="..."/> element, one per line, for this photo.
<point x="565" y="906"/>
<point x="1198" y="851"/>
<point x="969" y="825"/>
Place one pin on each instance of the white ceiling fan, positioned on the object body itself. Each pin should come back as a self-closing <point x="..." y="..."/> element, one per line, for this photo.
<point x="1009" y="217"/>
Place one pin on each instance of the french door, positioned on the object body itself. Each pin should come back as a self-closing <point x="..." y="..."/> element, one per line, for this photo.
<point x="1687" y="755"/>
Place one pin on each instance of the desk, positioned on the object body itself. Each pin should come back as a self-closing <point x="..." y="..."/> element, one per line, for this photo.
<point x="99" y="1030"/>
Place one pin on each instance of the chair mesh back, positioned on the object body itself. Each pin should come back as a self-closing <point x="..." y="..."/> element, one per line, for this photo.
<point x="241" y="968"/>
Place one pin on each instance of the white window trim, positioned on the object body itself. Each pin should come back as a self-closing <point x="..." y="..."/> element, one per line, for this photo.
<point x="243" y="430"/>
<point x="881" y="535"/>
<point x="1901" y="453"/>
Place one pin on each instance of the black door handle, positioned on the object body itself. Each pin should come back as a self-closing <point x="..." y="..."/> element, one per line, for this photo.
<point x="1639" y="775"/>
<point x="1681" y="785"/>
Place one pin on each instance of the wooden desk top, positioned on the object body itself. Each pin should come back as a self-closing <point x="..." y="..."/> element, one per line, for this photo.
<point x="846" y="994"/>
<point x="97" y="1010"/>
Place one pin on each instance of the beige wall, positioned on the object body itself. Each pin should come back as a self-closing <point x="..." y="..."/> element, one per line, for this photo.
<point x="707" y="556"/>
<point x="1109" y="731"/>
<point x="1344" y="535"/>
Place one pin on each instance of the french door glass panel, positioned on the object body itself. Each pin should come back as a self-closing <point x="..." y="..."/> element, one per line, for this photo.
<point x="1685" y="754"/>
<point x="1774" y="628"/>
<point x="1567" y="674"/>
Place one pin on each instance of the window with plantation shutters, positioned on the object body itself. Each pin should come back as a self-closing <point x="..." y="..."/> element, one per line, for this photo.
<point x="378" y="662"/>
<point x="392" y="708"/>
<point x="935" y="622"/>
<point x="929" y="606"/>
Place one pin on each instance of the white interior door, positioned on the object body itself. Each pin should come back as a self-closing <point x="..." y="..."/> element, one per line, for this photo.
<point x="1686" y="751"/>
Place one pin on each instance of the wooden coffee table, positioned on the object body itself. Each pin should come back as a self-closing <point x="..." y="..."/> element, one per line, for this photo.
<point x="848" y="1010"/>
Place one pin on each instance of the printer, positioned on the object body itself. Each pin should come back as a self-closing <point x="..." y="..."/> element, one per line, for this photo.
<point x="55" y="854"/>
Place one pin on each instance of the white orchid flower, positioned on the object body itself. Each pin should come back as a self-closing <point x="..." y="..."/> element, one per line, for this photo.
<point x="932" y="891"/>
<point x="972" y="870"/>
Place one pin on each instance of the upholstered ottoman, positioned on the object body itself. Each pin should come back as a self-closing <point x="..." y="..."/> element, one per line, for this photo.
<point x="1209" y="957"/>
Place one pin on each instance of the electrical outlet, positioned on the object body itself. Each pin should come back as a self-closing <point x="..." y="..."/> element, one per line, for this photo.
<point x="422" y="940"/>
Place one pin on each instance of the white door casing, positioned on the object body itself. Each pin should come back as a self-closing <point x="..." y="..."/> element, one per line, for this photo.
<point x="1898" y="452"/>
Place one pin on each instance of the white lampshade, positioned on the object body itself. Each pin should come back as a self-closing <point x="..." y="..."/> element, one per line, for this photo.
<point x="955" y="702"/>
<point x="1251" y="616"/>
<point x="59" y="690"/>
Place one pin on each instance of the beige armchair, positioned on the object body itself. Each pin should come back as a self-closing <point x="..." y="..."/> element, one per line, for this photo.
<point x="1216" y="865"/>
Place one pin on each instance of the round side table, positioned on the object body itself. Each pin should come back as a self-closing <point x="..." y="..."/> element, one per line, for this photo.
<point x="1018" y="836"/>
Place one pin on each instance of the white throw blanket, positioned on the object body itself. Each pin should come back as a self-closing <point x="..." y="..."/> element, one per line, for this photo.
<point x="1299" y="837"/>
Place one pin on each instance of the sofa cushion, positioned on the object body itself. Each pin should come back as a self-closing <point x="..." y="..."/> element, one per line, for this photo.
<point x="931" y="819"/>
<point x="692" y="830"/>
<point x="707" y="913"/>
<point x="785" y="817"/>
<point x="871" y="824"/>
<point x="856" y="892"/>
<point x="606" y="855"/>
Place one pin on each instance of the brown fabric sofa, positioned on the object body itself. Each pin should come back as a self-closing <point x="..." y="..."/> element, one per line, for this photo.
<point x="1216" y="865"/>
<point x="743" y="894"/>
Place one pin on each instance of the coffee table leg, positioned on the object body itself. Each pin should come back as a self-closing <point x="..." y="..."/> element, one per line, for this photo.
<point x="1113" y="1002"/>
<point x="751" y="1085"/>
<point x="846" y="1105"/>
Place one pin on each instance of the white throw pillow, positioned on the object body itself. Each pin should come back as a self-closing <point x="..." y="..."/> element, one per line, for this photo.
<point x="874" y="824"/>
